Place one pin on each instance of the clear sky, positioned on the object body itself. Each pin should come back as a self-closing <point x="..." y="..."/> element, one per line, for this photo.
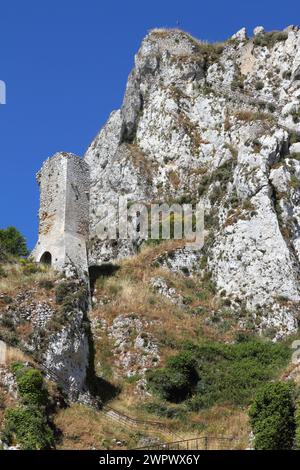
<point x="65" y="64"/>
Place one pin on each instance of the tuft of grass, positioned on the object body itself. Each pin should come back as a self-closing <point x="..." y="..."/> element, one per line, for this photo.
<point x="294" y="138"/>
<point x="259" y="85"/>
<point x="269" y="39"/>
<point x="294" y="182"/>
<point x="250" y="116"/>
<point x="21" y="275"/>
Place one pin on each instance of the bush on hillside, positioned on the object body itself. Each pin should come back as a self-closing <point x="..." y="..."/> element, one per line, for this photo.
<point x="27" y="424"/>
<point x="272" y="417"/>
<point x="208" y="373"/>
<point x="175" y="381"/>
<point x="269" y="39"/>
<point x="28" y="427"/>
<point x="31" y="387"/>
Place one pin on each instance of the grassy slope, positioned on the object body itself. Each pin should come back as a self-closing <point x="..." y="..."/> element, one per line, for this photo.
<point x="202" y="316"/>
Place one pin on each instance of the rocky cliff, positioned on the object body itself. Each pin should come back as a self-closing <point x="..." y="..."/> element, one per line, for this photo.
<point x="220" y="122"/>
<point x="45" y="317"/>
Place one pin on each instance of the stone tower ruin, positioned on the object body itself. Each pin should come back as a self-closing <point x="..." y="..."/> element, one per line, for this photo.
<point x="64" y="214"/>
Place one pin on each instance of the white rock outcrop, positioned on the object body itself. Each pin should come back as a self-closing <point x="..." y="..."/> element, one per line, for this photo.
<point x="220" y="122"/>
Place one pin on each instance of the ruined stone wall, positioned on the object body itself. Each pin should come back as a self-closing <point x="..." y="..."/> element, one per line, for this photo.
<point x="77" y="215"/>
<point x="64" y="213"/>
<point x="52" y="181"/>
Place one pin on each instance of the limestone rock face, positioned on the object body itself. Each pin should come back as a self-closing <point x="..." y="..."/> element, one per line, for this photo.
<point x="55" y="335"/>
<point x="220" y="122"/>
<point x="258" y="30"/>
<point x="67" y="354"/>
<point x="241" y="35"/>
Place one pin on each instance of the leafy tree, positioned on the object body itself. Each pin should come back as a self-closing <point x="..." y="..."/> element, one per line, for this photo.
<point x="12" y="242"/>
<point x="272" y="417"/>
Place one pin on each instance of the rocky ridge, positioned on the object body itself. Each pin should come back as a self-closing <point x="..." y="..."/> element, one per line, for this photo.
<point x="220" y="122"/>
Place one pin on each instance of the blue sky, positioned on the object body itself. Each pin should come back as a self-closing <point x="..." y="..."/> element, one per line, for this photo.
<point x="65" y="64"/>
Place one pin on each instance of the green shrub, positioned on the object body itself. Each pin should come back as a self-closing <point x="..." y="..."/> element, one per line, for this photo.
<point x="7" y="321"/>
<point x="10" y="337"/>
<point x="165" y="411"/>
<point x="237" y="83"/>
<point x="46" y="284"/>
<point x="67" y="294"/>
<point x="208" y="373"/>
<point x="13" y="242"/>
<point x="28" y="427"/>
<point x="62" y="290"/>
<point x="27" y="424"/>
<point x="222" y="174"/>
<point x="296" y="116"/>
<point x="177" y="380"/>
<point x="17" y="367"/>
<point x="269" y="39"/>
<point x="272" y="417"/>
<point x="70" y="295"/>
<point x="294" y="182"/>
<point x="31" y="387"/>
<point x="259" y="85"/>
<point x="30" y="267"/>
<point x="294" y="138"/>
<point x="271" y="107"/>
<point x="3" y="255"/>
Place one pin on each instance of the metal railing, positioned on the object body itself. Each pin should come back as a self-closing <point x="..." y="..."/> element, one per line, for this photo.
<point x="197" y="443"/>
<point x="130" y="421"/>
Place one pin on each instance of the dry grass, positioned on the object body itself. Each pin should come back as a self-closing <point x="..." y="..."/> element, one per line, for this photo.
<point x="203" y="46"/>
<point x="140" y="160"/>
<point x="129" y="291"/>
<point x="226" y="421"/>
<point x="163" y="33"/>
<point x="85" y="428"/>
<point x="15" y="355"/>
<point x="174" y="178"/>
<point x="15" y="279"/>
<point x="250" y="116"/>
<point x="218" y="421"/>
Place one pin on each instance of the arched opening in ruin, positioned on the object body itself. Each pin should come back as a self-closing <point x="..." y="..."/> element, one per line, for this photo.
<point x="46" y="258"/>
